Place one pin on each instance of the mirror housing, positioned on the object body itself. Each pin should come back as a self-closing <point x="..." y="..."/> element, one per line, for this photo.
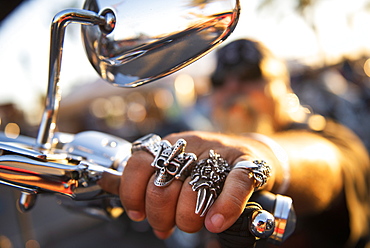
<point x="157" y="39"/>
<point x="129" y="49"/>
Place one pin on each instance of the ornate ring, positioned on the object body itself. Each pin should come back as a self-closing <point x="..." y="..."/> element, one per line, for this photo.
<point x="171" y="162"/>
<point x="260" y="170"/>
<point x="148" y="143"/>
<point x="208" y="178"/>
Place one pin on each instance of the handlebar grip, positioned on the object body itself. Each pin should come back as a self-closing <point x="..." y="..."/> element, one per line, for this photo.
<point x="238" y="235"/>
<point x="274" y="229"/>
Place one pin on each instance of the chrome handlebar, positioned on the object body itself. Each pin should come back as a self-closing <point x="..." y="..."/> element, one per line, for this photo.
<point x="72" y="168"/>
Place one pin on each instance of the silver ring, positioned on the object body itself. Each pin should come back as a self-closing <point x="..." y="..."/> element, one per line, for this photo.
<point x="260" y="170"/>
<point x="208" y="178"/>
<point x="171" y="162"/>
<point x="148" y="143"/>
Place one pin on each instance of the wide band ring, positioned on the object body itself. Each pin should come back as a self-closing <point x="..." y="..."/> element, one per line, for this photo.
<point x="207" y="178"/>
<point x="149" y="143"/>
<point x="171" y="162"/>
<point x="259" y="168"/>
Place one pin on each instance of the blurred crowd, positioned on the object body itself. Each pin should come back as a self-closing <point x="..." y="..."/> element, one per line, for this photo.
<point x="340" y="92"/>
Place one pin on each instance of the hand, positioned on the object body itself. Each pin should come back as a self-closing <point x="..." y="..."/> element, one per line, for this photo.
<point x="174" y="205"/>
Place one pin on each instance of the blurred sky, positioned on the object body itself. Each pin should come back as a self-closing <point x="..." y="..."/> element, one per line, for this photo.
<point x="343" y="28"/>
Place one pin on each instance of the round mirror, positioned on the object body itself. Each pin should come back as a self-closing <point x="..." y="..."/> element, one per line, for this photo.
<point x="152" y="39"/>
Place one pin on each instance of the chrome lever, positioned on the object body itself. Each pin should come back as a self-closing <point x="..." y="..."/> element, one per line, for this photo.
<point x="26" y="201"/>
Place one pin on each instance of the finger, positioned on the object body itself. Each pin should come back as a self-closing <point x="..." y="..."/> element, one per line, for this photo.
<point x="186" y="218"/>
<point x="133" y="184"/>
<point x="110" y="183"/>
<point x="161" y="205"/>
<point x="231" y="202"/>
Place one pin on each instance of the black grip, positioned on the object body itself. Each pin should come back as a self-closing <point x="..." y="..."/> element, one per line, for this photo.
<point x="238" y="235"/>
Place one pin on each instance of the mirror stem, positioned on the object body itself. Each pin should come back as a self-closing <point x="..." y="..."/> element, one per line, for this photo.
<point x="53" y="97"/>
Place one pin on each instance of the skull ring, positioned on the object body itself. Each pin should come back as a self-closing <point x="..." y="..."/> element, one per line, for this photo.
<point x="171" y="162"/>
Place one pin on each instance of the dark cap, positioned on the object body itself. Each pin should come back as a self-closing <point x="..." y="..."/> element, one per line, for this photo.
<point x="241" y="58"/>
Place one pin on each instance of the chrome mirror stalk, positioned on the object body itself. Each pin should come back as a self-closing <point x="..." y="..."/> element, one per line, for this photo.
<point x="53" y="97"/>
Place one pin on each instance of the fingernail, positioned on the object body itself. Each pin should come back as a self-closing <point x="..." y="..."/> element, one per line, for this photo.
<point x="135" y="215"/>
<point x="217" y="220"/>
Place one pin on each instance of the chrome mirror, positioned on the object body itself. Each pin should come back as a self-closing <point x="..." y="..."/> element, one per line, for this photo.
<point x="133" y="42"/>
<point x="152" y="39"/>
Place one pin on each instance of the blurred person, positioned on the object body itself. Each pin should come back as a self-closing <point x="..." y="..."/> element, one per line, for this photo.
<point x="326" y="174"/>
<point x="252" y="93"/>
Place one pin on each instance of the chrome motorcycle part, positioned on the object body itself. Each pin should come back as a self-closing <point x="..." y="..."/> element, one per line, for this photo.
<point x="59" y="23"/>
<point x="284" y="219"/>
<point x="26" y="201"/>
<point x="100" y="148"/>
<point x="158" y="39"/>
<point x="262" y="224"/>
<point x="282" y="209"/>
<point x="71" y="170"/>
<point x="125" y="49"/>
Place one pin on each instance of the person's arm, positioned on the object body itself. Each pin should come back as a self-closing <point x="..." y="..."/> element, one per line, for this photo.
<point x="315" y="165"/>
